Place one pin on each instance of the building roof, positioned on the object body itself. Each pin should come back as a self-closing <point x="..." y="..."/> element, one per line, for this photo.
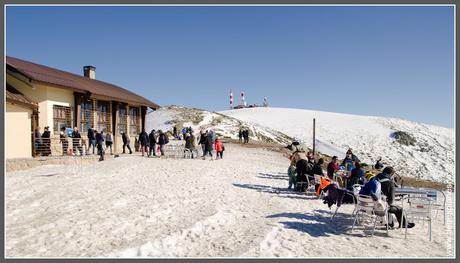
<point x="63" y="79"/>
<point x="15" y="96"/>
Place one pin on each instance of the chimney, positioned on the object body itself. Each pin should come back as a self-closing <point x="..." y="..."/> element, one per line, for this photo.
<point x="89" y="72"/>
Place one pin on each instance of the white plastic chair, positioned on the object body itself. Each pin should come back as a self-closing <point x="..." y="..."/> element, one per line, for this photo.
<point x="417" y="208"/>
<point x="366" y="207"/>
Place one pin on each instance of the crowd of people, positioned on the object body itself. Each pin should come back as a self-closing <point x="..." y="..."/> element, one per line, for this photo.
<point x="303" y="168"/>
<point x="149" y="144"/>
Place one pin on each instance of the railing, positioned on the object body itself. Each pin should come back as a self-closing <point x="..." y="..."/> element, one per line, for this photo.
<point x="60" y="146"/>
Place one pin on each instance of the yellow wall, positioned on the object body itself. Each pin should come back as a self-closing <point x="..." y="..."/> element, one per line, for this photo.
<point x="18" y="127"/>
<point x="55" y="96"/>
<point x="46" y="96"/>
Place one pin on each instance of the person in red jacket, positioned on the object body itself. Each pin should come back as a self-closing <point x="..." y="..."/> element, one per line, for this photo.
<point x="332" y="167"/>
<point x="219" y="148"/>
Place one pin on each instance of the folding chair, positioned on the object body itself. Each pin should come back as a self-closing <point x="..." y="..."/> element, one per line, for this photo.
<point x="417" y="207"/>
<point x="365" y="207"/>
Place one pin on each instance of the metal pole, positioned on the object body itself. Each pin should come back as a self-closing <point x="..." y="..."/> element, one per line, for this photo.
<point x="314" y="139"/>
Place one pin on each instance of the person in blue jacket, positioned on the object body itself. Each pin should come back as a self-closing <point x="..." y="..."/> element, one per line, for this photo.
<point x="372" y="187"/>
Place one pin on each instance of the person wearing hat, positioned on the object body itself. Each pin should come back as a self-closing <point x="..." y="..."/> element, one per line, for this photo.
<point x="372" y="187"/>
<point x="332" y="167"/>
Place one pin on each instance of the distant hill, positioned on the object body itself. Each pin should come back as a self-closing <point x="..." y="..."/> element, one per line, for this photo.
<point x="167" y="117"/>
<point x="415" y="149"/>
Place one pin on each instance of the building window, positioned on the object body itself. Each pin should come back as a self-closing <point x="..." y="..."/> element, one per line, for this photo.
<point x="134" y="127"/>
<point x="103" y="116"/>
<point x="62" y="117"/>
<point x="122" y="119"/>
<point x="86" y="115"/>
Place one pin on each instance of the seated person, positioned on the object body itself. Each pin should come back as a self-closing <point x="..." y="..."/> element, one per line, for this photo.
<point x="348" y="162"/>
<point x="378" y="165"/>
<point x="372" y="187"/>
<point x="353" y="157"/>
<point x="332" y="167"/>
<point x="303" y="167"/>
<point x="356" y="177"/>
<point x="317" y="169"/>
<point x="388" y="189"/>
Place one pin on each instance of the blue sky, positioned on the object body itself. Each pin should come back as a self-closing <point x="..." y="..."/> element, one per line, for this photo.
<point x="382" y="61"/>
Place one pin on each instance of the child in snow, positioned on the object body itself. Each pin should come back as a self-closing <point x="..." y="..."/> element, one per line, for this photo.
<point x="219" y="148"/>
<point x="292" y="174"/>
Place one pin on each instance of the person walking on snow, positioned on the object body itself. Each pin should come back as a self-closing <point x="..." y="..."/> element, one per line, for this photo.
<point x="76" y="137"/>
<point x="91" y="138"/>
<point x="152" y="143"/>
<point x="162" y="140"/>
<point x="109" y="142"/>
<point x="144" y="141"/>
<point x="218" y="145"/>
<point x="126" y="142"/>
<point x="202" y="142"/>
<point x="99" y="143"/>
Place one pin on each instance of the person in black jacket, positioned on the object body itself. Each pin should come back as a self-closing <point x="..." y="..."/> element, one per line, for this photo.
<point x="388" y="189"/>
<point x="144" y="141"/>
<point x="356" y="177"/>
<point x="152" y="143"/>
<point x="126" y="142"/>
<point x="46" y="137"/>
<point x="76" y="137"/>
<point x="303" y="168"/>
<point x="91" y="138"/>
<point x="353" y="156"/>
<point x="162" y="140"/>
<point x="99" y="144"/>
<point x="202" y="142"/>
<point x="378" y="165"/>
<point x="246" y="136"/>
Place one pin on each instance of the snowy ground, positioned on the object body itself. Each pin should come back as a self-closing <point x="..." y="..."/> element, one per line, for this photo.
<point x="236" y="207"/>
<point x="431" y="158"/>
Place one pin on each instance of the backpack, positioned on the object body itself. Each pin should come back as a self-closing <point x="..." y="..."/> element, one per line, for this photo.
<point x="223" y="147"/>
<point x="166" y="139"/>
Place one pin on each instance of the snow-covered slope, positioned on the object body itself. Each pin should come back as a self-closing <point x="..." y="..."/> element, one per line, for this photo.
<point x="432" y="156"/>
<point x="167" y="117"/>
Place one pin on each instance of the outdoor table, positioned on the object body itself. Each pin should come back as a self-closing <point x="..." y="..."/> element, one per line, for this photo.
<point x="430" y="193"/>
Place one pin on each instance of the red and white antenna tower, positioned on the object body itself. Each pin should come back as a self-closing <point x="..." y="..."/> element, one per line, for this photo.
<point x="231" y="99"/>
